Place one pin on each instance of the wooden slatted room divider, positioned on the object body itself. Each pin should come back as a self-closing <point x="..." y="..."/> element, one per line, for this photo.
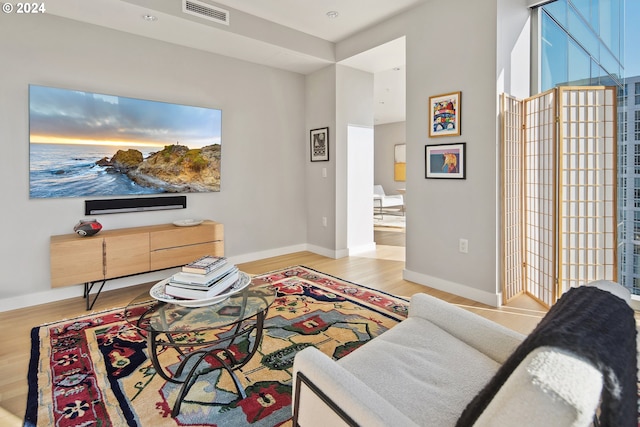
<point x="558" y="191"/>
<point x="587" y="185"/>
<point x="512" y="191"/>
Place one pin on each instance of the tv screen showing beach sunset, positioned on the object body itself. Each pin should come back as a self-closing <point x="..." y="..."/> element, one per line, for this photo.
<point x="89" y="144"/>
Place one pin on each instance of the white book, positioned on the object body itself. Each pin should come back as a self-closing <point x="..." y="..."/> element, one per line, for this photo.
<point x="219" y="287"/>
<point x="204" y="265"/>
<point x="202" y="280"/>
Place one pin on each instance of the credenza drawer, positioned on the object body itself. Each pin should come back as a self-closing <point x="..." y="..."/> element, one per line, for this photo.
<point x="173" y="257"/>
<point x="208" y="231"/>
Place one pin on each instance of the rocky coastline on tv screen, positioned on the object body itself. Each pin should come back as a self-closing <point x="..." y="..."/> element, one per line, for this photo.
<point x="86" y="144"/>
<point x="175" y="169"/>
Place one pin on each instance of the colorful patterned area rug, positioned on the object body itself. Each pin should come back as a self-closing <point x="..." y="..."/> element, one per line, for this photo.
<point x="94" y="370"/>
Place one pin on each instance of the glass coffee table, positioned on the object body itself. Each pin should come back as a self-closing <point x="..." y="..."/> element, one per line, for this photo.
<point x="218" y="327"/>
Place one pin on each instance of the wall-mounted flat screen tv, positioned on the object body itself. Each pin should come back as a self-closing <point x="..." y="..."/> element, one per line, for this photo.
<point x="90" y="144"/>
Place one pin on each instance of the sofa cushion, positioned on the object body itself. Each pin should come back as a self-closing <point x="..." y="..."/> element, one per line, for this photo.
<point x="426" y="373"/>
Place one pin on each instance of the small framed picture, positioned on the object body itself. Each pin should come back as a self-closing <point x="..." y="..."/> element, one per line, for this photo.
<point x="445" y="116"/>
<point x="448" y="161"/>
<point x="319" y="140"/>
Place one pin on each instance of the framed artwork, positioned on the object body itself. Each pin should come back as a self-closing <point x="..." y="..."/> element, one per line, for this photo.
<point x="319" y="140"/>
<point x="400" y="162"/>
<point x="448" y="161"/>
<point x="445" y="116"/>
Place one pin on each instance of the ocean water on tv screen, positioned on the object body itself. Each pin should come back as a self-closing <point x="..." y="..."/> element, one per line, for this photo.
<point x="59" y="170"/>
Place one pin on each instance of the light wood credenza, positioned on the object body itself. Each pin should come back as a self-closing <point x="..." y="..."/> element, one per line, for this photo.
<point x="128" y="251"/>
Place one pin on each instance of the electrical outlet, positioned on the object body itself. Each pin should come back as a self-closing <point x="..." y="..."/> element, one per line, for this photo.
<point x="463" y="246"/>
<point x="324" y="221"/>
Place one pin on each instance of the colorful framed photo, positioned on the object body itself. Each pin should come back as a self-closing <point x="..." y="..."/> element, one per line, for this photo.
<point x="445" y="116"/>
<point x="446" y="161"/>
<point x="319" y="140"/>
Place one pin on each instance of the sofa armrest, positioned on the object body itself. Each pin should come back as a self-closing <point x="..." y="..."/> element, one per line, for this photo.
<point x="325" y="392"/>
<point x="613" y="288"/>
<point x="551" y="388"/>
<point x="490" y="338"/>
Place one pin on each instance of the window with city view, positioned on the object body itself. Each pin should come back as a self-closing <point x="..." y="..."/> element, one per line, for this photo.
<point x="582" y="42"/>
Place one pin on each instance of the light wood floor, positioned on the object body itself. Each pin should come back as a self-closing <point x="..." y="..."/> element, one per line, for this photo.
<point x="381" y="269"/>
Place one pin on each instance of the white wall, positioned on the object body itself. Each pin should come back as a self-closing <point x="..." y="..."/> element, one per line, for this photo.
<point x="387" y="136"/>
<point x="514" y="60"/>
<point x="354" y="107"/>
<point x="440" y="212"/>
<point x="336" y="97"/>
<point x="262" y="201"/>
<point x="271" y="201"/>
<point x="469" y="54"/>
<point x="359" y="182"/>
<point x="320" y="98"/>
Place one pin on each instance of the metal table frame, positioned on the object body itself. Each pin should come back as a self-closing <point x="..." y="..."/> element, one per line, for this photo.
<point x="242" y="326"/>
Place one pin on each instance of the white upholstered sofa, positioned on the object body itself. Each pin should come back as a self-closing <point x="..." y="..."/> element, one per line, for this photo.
<point x="430" y="367"/>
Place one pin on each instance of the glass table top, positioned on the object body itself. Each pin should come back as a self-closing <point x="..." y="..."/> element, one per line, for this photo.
<point x="165" y="317"/>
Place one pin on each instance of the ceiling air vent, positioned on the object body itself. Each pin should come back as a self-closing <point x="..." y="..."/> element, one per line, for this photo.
<point x="206" y="11"/>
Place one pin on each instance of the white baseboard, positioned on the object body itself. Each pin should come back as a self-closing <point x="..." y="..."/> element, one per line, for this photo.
<point x="329" y="253"/>
<point x="254" y="256"/>
<point x="371" y="247"/>
<point x="494" y="300"/>
<point x="58" y="294"/>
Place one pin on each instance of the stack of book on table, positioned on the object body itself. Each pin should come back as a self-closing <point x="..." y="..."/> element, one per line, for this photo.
<point x="203" y="278"/>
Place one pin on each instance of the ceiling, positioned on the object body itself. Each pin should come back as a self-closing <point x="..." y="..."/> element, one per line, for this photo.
<point x="295" y="35"/>
<point x="310" y="16"/>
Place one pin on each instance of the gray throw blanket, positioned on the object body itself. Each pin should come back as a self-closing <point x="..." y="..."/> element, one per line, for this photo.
<point x="591" y="323"/>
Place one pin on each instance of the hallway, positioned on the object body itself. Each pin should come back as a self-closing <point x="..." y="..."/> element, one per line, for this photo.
<point x="389" y="236"/>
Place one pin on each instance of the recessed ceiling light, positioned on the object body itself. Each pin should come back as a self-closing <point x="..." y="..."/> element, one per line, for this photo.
<point x="333" y="14"/>
<point x="149" y="18"/>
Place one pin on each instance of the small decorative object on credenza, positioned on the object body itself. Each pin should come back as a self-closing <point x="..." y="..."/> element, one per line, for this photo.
<point x="187" y="222"/>
<point x="87" y="227"/>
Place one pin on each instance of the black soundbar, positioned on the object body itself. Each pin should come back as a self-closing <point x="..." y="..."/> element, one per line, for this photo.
<point x="139" y="204"/>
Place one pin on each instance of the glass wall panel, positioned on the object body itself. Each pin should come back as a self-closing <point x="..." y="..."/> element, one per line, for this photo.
<point x="558" y="9"/>
<point x="579" y="63"/>
<point x="586" y="9"/>
<point x="610" y="13"/>
<point x="610" y="64"/>
<point x="598" y="76"/>
<point x="554" y="54"/>
<point x="596" y="27"/>
<point x="582" y="43"/>
<point x="579" y="30"/>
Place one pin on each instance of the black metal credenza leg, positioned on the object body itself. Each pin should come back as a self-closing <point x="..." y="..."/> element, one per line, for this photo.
<point x="87" y="289"/>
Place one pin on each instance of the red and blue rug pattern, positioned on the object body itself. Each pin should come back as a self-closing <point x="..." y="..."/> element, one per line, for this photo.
<point x="94" y="370"/>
